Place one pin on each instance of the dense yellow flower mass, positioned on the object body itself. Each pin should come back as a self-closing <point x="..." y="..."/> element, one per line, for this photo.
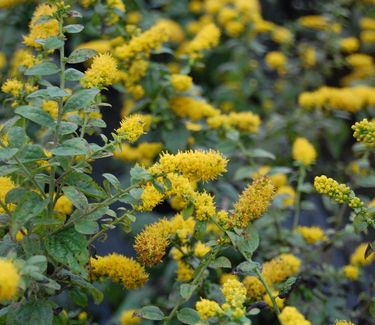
<point x="364" y="131"/>
<point x="291" y="316"/>
<point x="143" y="154"/>
<point x="42" y="30"/>
<point x="340" y="193"/>
<point x="204" y="206"/>
<point x="253" y="201"/>
<point x="119" y="268"/>
<point x="276" y="61"/>
<point x="13" y="87"/>
<point x="192" y="108"/>
<point x="349" y="44"/>
<point x="64" y="205"/>
<point x="184" y="272"/>
<point x="358" y="257"/>
<point x="128" y="318"/>
<point x="254" y="288"/>
<point x="151" y="244"/>
<point x="312" y="234"/>
<point x="303" y="151"/>
<point x="243" y="121"/>
<point x="150" y="197"/>
<point x="183" y="228"/>
<point x="132" y="127"/>
<point x="181" y="82"/>
<point x="351" y="272"/>
<point x="207" y="38"/>
<point x="9" y="280"/>
<point x="234" y="292"/>
<point x="102" y="72"/>
<point x="280" y="268"/>
<point x="194" y="164"/>
<point x="115" y="6"/>
<point x="207" y="308"/>
<point x="6" y="185"/>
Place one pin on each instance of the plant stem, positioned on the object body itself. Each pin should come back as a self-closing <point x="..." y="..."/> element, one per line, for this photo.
<point x="268" y="290"/>
<point x="297" y="203"/>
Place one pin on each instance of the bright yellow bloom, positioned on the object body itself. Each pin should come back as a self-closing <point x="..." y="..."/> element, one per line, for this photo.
<point x="201" y="249"/>
<point x="132" y="127"/>
<point x="291" y="316"/>
<point x="127" y="318"/>
<point x="21" y="57"/>
<point x="207" y="38"/>
<point x="151" y="244"/>
<point x="364" y="131"/>
<point x="288" y="193"/>
<point x="234" y="293"/>
<point x="120" y="269"/>
<point x="6" y="185"/>
<point x="64" y="205"/>
<point x="276" y="61"/>
<point x="368" y="36"/>
<point x="183" y="228"/>
<point x="115" y="6"/>
<point x="21" y="234"/>
<point x="280" y="268"/>
<point x="351" y="272"/>
<point x="312" y="234"/>
<point x="314" y="22"/>
<point x="143" y="154"/>
<point x="337" y="192"/>
<point x="51" y="107"/>
<point x="303" y="151"/>
<point x="349" y="44"/>
<point x="9" y="280"/>
<point x="227" y="276"/>
<point x="253" y="201"/>
<point x="254" y="288"/>
<point x="151" y="197"/>
<point x="42" y="30"/>
<point x="193" y="108"/>
<point x="102" y="72"/>
<point x="207" y="308"/>
<point x="13" y="87"/>
<point x="309" y="57"/>
<point x="279" y="301"/>
<point x="184" y="272"/>
<point x="195" y="165"/>
<point x="243" y="121"/>
<point x="204" y="206"/>
<point x="358" y="257"/>
<point x="181" y="82"/>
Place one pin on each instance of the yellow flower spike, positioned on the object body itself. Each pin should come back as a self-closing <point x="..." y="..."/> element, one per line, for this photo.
<point x="200" y="249"/>
<point x="303" y="151"/>
<point x="234" y="293"/>
<point x="151" y="244"/>
<point x="193" y="108"/>
<point x="349" y="44"/>
<point x="132" y="127"/>
<point x="119" y="268"/>
<point x="9" y="280"/>
<point x="254" y="287"/>
<point x="207" y="308"/>
<point x="276" y="61"/>
<point x="253" y="201"/>
<point x="151" y="197"/>
<point x="280" y="268"/>
<point x="312" y="234"/>
<point x="351" y="272"/>
<point x="358" y="257"/>
<point x="204" y="206"/>
<point x="184" y="272"/>
<point x="364" y="131"/>
<point x="6" y="185"/>
<point x="291" y="316"/>
<point x="64" y="205"/>
<point x="181" y="82"/>
<point x="128" y="318"/>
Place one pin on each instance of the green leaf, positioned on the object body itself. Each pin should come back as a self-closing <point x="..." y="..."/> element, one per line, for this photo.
<point x="221" y="262"/>
<point x="247" y="268"/>
<point x="261" y="153"/>
<point x="79" y="297"/>
<point x="81" y="99"/>
<point x="186" y="290"/>
<point x="67" y="128"/>
<point x="112" y="179"/>
<point x="36" y="115"/>
<point x="6" y="170"/>
<point x="29" y="205"/>
<point x="81" y="55"/>
<point x="7" y="153"/>
<point x="151" y="312"/>
<point x="78" y="199"/>
<point x="42" y="69"/>
<point x="85" y="184"/>
<point x="52" y="43"/>
<point x="188" y="316"/>
<point x="38" y="312"/>
<point x="176" y="138"/>
<point x="243" y="172"/>
<point x="86" y="226"/>
<point x="87" y="286"/>
<point x="139" y="174"/>
<point x="73" y="74"/>
<point x="17" y="137"/>
<point x="69" y="247"/>
<point x="71" y="147"/>
<point x="56" y="92"/>
<point x="73" y="29"/>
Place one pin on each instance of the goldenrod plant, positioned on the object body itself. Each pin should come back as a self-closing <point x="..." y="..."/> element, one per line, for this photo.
<point x="187" y="162"/>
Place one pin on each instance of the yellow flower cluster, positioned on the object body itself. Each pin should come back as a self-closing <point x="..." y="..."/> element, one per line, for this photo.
<point x="132" y="127"/>
<point x="280" y="268"/>
<point x="151" y="244"/>
<point x="349" y="44"/>
<point x="303" y="151"/>
<point x="184" y="272"/>
<point x="192" y="108"/>
<point x="243" y="121"/>
<point x="254" y="288"/>
<point x="358" y="257"/>
<point x="15" y="87"/>
<point x="207" y="308"/>
<point x="253" y="201"/>
<point x="144" y="43"/>
<point x="6" y="185"/>
<point x="151" y="197"/>
<point x="183" y="228"/>
<point x="337" y="192"/>
<point x="364" y="131"/>
<point x="42" y="30"/>
<point x="291" y="316"/>
<point x="276" y="61"/>
<point x="9" y="280"/>
<point x="312" y="234"/>
<point x="114" y="6"/>
<point x="350" y="99"/>
<point x="351" y="272"/>
<point x="308" y="57"/>
<point x="128" y="318"/>
<point x="21" y="57"/>
<point x="234" y="293"/>
<point x="201" y="249"/>
<point x="119" y="268"/>
<point x="181" y="82"/>
<point x="195" y="165"/>
<point x="207" y="38"/>
<point x="143" y="154"/>
<point x="102" y="72"/>
<point x="204" y="206"/>
<point x="64" y="205"/>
